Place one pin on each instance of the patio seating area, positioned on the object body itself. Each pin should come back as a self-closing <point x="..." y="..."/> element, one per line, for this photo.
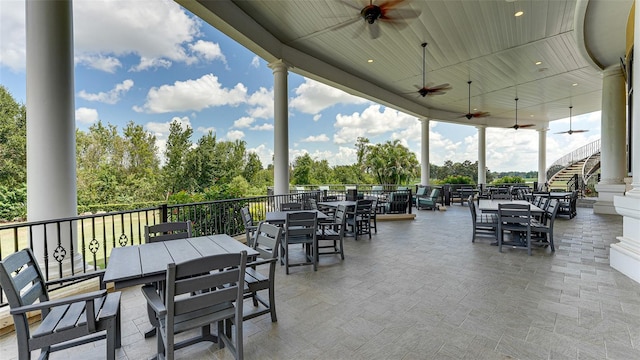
<point x="420" y="290"/>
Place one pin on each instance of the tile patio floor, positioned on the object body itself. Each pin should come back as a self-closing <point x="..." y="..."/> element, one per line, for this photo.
<point x="421" y="290"/>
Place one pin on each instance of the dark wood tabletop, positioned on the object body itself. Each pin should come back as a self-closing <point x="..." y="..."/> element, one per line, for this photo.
<point x="146" y="263"/>
<point x="492" y="205"/>
<point x="279" y="217"/>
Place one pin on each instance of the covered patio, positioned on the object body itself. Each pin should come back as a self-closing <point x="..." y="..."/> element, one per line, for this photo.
<point x="406" y="295"/>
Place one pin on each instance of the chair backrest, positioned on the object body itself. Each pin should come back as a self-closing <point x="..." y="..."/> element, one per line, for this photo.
<point x="21" y="279"/>
<point x="313" y="204"/>
<point x="301" y="224"/>
<point x="434" y="194"/>
<point x="267" y="242"/>
<point x="377" y="189"/>
<point x="472" y="209"/>
<point x="363" y="207"/>
<point x="516" y="214"/>
<point x="203" y="284"/>
<point x="551" y="212"/>
<point x="167" y="231"/>
<point x="247" y="218"/>
<point x="422" y="191"/>
<point x="290" y="206"/>
<point x="500" y="196"/>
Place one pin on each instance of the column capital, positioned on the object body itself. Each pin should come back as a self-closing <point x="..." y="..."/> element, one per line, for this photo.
<point x="278" y="65"/>
<point x="612" y="70"/>
<point x="545" y="129"/>
<point x="481" y="126"/>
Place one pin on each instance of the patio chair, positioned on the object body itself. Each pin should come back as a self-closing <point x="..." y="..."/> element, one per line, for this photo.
<point x="568" y="206"/>
<point x="515" y="218"/>
<point x="199" y="293"/>
<point x="397" y="203"/>
<point x="334" y="233"/>
<point x="359" y="219"/>
<point x="428" y="202"/>
<point x="66" y="322"/>
<point x="542" y="232"/>
<point x="300" y="228"/>
<point x="291" y="206"/>
<point x="267" y="242"/>
<point x="167" y="231"/>
<point x="483" y="224"/>
<point x="249" y="225"/>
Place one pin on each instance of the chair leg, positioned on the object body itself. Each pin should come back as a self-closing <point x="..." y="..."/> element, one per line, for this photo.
<point x="272" y="302"/>
<point x="111" y="340"/>
<point x="553" y="248"/>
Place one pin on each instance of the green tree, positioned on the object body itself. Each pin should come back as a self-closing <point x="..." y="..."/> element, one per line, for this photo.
<point x="178" y="144"/>
<point x="13" y="141"/>
<point x="391" y="163"/>
<point x="302" y="170"/>
<point x="253" y="167"/>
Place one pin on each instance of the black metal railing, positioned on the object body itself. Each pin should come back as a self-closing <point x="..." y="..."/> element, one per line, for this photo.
<point x="94" y="236"/>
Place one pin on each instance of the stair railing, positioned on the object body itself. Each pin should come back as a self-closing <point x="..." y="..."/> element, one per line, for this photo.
<point x="576" y="155"/>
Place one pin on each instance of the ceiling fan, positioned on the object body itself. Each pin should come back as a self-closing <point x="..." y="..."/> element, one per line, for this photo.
<point x="427" y="89"/>
<point x="516" y="126"/>
<point x="476" y="114"/>
<point x="386" y="12"/>
<point x="571" y="131"/>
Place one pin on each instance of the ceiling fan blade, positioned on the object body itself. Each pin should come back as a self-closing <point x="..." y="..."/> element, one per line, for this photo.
<point x="374" y="30"/>
<point x="344" y="24"/>
<point x="399" y="14"/>
<point x="563" y="132"/>
<point x="527" y="125"/>
<point x="441" y="87"/>
<point x="580" y="131"/>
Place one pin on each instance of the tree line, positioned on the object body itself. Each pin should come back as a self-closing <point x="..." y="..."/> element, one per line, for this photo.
<point x="116" y="169"/>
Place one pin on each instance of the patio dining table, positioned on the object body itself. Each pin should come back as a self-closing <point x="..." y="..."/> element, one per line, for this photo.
<point x="486" y="205"/>
<point x="279" y="217"/>
<point x="147" y="263"/>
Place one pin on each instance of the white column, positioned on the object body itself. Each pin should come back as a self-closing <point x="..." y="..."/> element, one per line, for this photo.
<point x="51" y="153"/>
<point x="613" y="143"/>
<point x="482" y="155"/>
<point x="542" y="157"/>
<point x="425" y="171"/>
<point x="280" y="128"/>
<point x="625" y="255"/>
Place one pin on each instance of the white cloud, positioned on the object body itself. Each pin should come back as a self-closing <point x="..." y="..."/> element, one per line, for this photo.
<point x="206" y="130"/>
<point x="255" y="62"/>
<point x="261" y="103"/>
<point x="317" y="117"/>
<point x="263" y="127"/>
<point x="162" y="129"/>
<point x="86" y="115"/>
<point x="313" y="97"/>
<point x="371" y="122"/>
<point x="208" y="50"/>
<point x="343" y="156"/>
<point x="155" y="31"/>
<point x="108" y="64"/>
<point x="265" y="154"/>
<point x="190" y="95"/>
<point x="235" y="135"/>
<point x="12" y="28"/>
<point x="318" y="138"/>
<point x="243" y="122"/>
<point x="110" y="97"/>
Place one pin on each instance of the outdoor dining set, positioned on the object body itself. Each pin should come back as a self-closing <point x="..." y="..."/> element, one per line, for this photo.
<point x="522" y="221"/>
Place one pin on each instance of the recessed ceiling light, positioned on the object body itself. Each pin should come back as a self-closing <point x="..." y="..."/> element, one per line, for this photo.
<point x="518" y="13"/>
<point x="574" y="84"/>
<point x="475" y="109"/>
<point x="370" y="60"/>
<point x="532" y="115"/>
<point x="538" y="62"/>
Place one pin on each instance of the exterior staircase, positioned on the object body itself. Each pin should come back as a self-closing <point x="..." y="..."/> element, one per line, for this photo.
<point x="575" y="170"/>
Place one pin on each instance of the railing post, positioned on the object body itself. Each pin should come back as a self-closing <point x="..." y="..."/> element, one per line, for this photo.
<point x="164" y="214"/>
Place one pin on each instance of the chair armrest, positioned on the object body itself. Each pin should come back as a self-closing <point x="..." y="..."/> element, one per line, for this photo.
<point x="154" y="300"/>
<point x="259" y="262"/>
<point x="70" y="280"/>
<point x="57" y="302"/>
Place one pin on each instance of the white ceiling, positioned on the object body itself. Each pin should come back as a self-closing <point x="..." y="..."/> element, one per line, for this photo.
<point x="477" y="40"/>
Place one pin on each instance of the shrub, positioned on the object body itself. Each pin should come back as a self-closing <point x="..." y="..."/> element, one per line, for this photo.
<point x="508" y="180"/>
<point x="455" y="179"/>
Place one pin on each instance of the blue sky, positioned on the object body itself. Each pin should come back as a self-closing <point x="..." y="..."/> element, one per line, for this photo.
<point x="168" y="64"/>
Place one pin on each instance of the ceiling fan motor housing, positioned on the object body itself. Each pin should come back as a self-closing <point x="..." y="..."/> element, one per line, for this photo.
<point x="371" y="13"/>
